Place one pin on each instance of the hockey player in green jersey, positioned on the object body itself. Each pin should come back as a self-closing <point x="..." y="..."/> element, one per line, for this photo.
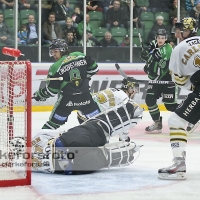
<point x="157" y="67"/>
<point x="73" y="91"/>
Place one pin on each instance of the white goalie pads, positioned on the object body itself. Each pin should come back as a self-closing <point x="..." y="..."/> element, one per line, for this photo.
<point x="43" y="150"/>
<point x="120" y="122"/>
<point x="121" y="153"/>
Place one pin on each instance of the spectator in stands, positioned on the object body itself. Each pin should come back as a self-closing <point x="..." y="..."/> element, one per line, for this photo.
<point x="106" y="5"/>
<point x="126" y="42"/>
<point x="5" y="36"/>
<point x="127" y="15"/>
<point x="90" y="41"/>
<point x="195" y="13"/>
<point x="183" y="12"/>
<point x="7" y="4"/>
<point x="68" y="9"/>
<point x="189" y="5"/>
<point x="69" y="27"/>
<point x="94" y="6"/>
<point x="27" y="4"/>
<point x="142" y="5"/>
<point x="46" y="9"/>
<point x="32" y="28"/>
<point x="22" y="34"/>
<point x="77" y="17"/>
<point x="89" y="28"/>
<point x="60" y="11"/>
<point x="172" y="39"/>
<point x="70" y="39"/>
<point x="114" y="16"/>
<point x="157" y="25"/>
<point x="173" y="11"/>
<point x="108" y="41"/>
<point x="51" y="29"/>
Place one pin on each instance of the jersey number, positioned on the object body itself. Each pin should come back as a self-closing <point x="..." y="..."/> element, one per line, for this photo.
<point x="75" y="76"/>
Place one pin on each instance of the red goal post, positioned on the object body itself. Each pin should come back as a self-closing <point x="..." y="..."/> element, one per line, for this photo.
<point x="15" y="121"/>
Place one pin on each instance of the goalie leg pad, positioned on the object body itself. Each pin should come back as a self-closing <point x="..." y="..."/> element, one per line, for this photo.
<point x="120" y="153"/>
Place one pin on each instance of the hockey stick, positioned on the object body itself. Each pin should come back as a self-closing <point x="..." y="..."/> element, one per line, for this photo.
<point x="39" y="79"/>
<point x="140" y="81"/>
<point x="139" y="35"/>
<point x="49" y="79"/>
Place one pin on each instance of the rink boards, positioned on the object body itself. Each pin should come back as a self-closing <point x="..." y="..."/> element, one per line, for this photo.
<point x="107" y="76"/>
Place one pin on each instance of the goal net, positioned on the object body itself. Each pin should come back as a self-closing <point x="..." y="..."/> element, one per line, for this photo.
<point x="15" y="123"/>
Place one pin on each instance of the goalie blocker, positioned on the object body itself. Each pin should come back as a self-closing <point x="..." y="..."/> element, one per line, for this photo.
<point x="85" y="148"/>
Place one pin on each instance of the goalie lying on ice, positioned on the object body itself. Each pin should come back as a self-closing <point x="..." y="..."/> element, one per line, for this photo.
<point x="85" y="148"/>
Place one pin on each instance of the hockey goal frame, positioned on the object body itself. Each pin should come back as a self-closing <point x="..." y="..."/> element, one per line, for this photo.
<point x="28" y="93"/>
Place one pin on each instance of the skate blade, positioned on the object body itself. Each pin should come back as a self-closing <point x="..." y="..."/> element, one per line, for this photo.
<point x="153" y="132"/>
<point x="175" y="176"/>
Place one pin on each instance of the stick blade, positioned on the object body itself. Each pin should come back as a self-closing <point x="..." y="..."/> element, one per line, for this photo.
<point x="120" y="70"/>
<point x="117" y="66"/>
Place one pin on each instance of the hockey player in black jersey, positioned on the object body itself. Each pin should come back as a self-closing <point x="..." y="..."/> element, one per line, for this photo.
<point x="76" y="69"/>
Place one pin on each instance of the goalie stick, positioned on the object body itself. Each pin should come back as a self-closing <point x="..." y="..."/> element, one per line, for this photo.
<point x="140" y="81"/>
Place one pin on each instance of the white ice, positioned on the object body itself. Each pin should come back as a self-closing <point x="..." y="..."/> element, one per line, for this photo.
<point x="135" y="182"/>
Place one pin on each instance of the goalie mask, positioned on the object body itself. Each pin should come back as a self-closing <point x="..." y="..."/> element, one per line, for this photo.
<point x="58" y="45"/>
<point x="187" y="23"/>
<point x="131" y="87"/>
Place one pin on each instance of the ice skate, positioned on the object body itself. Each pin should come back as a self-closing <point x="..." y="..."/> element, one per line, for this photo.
<point x="156" y="127"/>
<point x="176" y="171"/>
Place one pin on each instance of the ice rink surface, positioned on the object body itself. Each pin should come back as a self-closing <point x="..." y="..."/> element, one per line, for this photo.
<point x="135" y="182"/>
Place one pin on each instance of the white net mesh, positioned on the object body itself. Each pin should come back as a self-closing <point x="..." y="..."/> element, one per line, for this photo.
<point x="13" y="114"/>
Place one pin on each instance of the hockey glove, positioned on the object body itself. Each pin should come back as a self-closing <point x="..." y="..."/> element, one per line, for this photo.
<point x="144" y="55"/>
<point x="151" y="46"/>
<point x="38" y="96"/>
<point x="156" y="55"/>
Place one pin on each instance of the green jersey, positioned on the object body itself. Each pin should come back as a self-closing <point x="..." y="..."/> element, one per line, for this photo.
<point x="74" y="68"/>
<point x="159" y="69"/>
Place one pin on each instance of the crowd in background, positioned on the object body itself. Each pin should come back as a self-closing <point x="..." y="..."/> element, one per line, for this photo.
<point x="107" y="21"/>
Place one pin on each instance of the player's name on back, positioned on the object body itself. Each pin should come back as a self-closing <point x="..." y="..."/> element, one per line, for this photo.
<point x="71" y="65"/>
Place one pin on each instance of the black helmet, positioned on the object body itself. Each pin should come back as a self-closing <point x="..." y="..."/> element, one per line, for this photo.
<point x="188" y="23"/>
<point x="131" y="83"/>
<point x="58" y="44"/>
<point x="161" y="32"/>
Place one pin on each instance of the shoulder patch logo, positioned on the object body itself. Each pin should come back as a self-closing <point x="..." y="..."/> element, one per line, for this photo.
<point x="197" y="61"/>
